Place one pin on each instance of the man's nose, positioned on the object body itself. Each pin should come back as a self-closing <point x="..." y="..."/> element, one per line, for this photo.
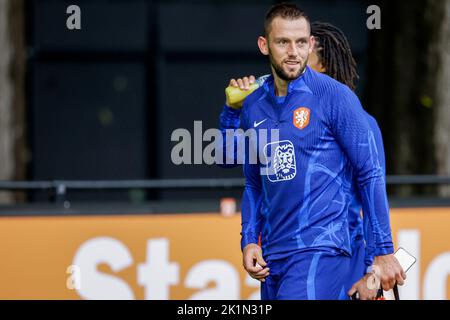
<point x="292" y="49"/>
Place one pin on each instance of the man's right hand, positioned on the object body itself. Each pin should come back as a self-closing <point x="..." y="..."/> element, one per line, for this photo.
<point x="366" y="287"/>
<point x="243" y="84"/>
<point x="254" y="263"/>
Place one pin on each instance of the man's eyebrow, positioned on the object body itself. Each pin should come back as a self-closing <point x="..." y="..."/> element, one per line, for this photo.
<point x="280" y="38"/>
<point x="285" y="38"/>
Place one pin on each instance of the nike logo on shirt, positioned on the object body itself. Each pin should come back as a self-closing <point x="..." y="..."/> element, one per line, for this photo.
<point x="256" y="124"/>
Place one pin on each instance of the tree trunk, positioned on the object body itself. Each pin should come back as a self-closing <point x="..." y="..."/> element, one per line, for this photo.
<point x="408" y="81"/>
<point x="442" y="137"/>
<point x="12" y="105"/>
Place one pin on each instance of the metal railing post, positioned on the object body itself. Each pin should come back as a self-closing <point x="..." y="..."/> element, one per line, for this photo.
<point x="60" y="191"/>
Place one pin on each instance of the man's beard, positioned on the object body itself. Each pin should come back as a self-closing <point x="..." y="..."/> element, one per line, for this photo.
<point x="282" y="74"/>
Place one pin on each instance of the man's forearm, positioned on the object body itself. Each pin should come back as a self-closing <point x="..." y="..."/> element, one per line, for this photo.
<point x="229" y="120"/>
<point x="251" y="216"/>
<point x="376" y="218"/>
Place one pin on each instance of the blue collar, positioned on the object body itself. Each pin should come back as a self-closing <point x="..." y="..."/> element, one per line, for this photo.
<point x="295" y="85"/>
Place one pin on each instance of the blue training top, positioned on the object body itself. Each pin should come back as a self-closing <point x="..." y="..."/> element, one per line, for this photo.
<point x="327" y="162"/>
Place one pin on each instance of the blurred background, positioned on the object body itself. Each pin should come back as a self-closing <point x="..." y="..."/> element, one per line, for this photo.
<point x="86" y="118"/>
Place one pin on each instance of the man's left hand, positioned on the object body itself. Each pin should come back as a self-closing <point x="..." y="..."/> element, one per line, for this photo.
<point x="390" y="271"/>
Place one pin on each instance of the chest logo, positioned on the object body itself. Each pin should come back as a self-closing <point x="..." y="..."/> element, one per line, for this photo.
<point x="280" y="157"/>
<point x="257" y="124"/>
<point x="301" y="117"/>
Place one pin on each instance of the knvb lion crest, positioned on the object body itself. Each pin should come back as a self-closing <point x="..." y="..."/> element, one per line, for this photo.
<point x="301" y="117"/>
<point x="281" y="161"/>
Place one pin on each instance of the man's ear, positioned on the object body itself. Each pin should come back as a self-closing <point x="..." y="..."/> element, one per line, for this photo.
<point x="312" y="44"/>
<point x="263" y="45"/>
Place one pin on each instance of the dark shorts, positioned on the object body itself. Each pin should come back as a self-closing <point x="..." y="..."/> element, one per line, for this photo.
<point x="311" y="275"/>
<point x="357" y="264"/>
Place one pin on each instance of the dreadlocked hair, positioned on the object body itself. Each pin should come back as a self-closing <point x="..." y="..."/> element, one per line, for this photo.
<point x="335" y="54"/>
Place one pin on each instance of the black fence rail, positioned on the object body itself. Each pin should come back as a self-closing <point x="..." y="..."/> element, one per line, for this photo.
<point x="59" y="188"/>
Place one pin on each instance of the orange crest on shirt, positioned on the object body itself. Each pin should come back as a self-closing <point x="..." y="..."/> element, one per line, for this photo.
<point x="300" y="118"/>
